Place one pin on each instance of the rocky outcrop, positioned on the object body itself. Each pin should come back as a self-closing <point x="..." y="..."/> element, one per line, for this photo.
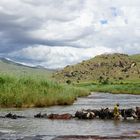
<point x="106" y="65"/>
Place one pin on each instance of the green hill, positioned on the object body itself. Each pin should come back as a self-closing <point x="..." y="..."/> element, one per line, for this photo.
<point x="17" y="69"/>
<point x="23" y="86"/>
<point x="110" y="68"/>
<point x="135" y="57"/>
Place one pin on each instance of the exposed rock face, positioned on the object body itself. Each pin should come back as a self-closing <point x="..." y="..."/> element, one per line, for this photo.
<point x="108" y="66"/>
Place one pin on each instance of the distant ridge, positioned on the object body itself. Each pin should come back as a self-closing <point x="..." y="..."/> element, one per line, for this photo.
<point x="10" y="67"/>
<point x="110" y="67"/>
<point x="9" y="61"/>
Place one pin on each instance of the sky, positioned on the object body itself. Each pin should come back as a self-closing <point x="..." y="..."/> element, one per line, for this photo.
<point x="56" y="33"/>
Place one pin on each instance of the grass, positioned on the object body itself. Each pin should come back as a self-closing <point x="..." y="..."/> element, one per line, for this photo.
<point x="35" y="92"/>
<point x="135" y="57"/>
<point x="27" y="87"/>
<point x="22" y="71"/>
<point x="32" y="91"/>
<point x="112" y="67"/>
<point x="118" y="88"/>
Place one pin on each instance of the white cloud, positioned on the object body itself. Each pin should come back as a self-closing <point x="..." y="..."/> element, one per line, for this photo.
<point x="57" y="56"/>
<point x="61" y="32"/>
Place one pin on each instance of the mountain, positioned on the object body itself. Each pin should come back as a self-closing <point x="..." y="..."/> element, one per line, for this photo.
<point x="11" y="67"/>
<point x="9" y="61"/>
<point x="102" y="68"/>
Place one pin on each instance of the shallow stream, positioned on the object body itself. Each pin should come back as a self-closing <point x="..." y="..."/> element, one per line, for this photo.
<point x="45" y="129"/>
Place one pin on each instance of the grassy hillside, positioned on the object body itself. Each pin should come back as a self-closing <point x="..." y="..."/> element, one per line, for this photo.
<point x="106" y="68"/>
<point x="14" y="69"/>
<point x="135" y="57"/>
<point x="22" y="86"/>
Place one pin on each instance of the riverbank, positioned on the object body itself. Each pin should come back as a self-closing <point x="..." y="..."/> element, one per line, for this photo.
<point x="34" y="92"/>
<point x="116" y="88"/>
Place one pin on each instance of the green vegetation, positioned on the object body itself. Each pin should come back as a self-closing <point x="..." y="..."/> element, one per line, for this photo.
<point x="114" y="73"/>
<point x="13" y="69"/>
<point x="122" y="88"/>
<point x="32" y="92"/>
<point x="22" y="86"/>
<point x="104" y="68"/>
<point x="135" y="57"/>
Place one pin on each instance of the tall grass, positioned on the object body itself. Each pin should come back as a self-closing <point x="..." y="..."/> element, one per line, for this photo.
<point x="33" y="92"/>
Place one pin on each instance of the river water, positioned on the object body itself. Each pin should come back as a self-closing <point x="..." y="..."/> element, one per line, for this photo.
<point x="45" y="129"/>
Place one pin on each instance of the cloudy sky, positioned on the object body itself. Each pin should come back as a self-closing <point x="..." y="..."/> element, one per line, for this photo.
<point x="56" y="33"/>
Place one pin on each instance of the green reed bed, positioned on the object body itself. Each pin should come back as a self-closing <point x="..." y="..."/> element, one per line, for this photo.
<point x="35" y="92"/>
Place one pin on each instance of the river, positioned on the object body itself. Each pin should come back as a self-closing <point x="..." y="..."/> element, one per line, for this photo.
<point x="44" y="129"/>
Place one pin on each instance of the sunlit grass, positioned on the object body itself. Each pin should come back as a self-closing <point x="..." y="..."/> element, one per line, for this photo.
<point x="36" y="92"/>
<point x="118" y="88"/>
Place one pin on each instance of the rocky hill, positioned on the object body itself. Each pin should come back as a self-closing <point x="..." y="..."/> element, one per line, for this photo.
<point x="102" y="68"/>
